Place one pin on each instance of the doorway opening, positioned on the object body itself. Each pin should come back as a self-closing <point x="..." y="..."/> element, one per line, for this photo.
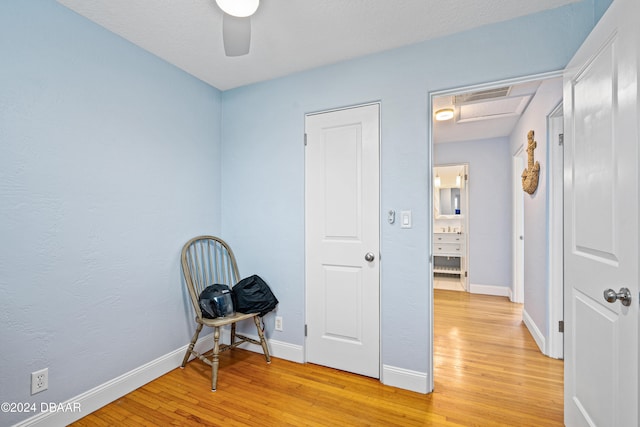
<point x="486" y="131"/>
<point x="451" y="227"/>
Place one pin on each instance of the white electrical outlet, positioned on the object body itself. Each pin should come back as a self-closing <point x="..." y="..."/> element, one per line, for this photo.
<point x="39" y="380"/>
<point x="278" y="326"/>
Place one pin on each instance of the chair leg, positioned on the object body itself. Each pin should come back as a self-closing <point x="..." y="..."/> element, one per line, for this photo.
<point x="263" y="341"/>
<point x="233" y="333"/>
<point x="193" y="343"/>
<point x="215" y="358"/>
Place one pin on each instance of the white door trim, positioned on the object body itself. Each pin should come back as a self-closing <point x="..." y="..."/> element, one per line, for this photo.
<point x="517" y="287"/>
<point x="429" y="237"/>
<point x="555" y="234"/>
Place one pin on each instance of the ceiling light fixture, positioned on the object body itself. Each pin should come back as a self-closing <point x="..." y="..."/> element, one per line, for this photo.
<point x="238" y="8"/>
<point x="444" y="114"/>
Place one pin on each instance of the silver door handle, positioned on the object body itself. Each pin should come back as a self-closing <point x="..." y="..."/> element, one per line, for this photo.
<point x="624" y="296"/>
<point x="369" y="257"/>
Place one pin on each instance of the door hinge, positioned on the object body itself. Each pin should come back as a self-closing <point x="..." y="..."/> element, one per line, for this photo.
<point x="561" y="326"/>
<point x="466" y="274"/>
<point x="561" y="139"/>
<point x="466" y="177"/>
<point x="305" y="330"/>
<point x="305" y="139"/>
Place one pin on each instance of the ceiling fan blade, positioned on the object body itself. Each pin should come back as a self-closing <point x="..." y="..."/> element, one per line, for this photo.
<point x="236" y="35"/>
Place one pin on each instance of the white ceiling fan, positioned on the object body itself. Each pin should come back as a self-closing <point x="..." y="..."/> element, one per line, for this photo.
<point x="236" y="25"/>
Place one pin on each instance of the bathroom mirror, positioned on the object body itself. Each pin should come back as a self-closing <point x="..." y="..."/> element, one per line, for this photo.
<point x="449" y="201"/>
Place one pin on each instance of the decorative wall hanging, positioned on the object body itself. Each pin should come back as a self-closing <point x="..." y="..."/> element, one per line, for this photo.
<point x="531" y="173"/>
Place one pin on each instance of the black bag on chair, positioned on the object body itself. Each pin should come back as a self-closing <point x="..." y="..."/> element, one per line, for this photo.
<point x="253" y="295"/>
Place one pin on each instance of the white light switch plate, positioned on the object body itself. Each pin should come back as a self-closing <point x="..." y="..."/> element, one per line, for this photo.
<point x="405" y="219"/>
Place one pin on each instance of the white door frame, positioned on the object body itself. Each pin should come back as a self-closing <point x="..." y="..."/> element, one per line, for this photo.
<point x="379" y="257"/>
<point x="517" y="287"/>
<point x="555" y="233"/>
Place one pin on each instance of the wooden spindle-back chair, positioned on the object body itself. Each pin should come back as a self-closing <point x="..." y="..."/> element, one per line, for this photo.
<point x="208" y="260"/>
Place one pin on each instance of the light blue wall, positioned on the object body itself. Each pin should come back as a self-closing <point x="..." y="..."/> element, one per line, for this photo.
<point x="263" y="158"/>
<point x="109" y="162"/>
<point x="490" y="207"/>
<point x="600" y="7"/>
<point x="536" y="205"/>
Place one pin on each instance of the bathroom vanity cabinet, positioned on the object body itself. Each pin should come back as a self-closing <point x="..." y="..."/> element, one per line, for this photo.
<point x="448" y="251"/>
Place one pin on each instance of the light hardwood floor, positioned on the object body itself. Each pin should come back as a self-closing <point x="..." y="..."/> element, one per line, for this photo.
<point x="488" y="372"/>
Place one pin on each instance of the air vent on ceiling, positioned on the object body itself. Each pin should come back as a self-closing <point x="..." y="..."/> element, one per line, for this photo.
<point x="481" y="95"/>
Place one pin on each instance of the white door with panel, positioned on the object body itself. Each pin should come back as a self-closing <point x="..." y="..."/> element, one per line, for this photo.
<point x="342" y="239"/>
<point x="601" y="223"/>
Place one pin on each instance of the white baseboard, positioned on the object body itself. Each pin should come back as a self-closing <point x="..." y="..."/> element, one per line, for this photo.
<point x="284" y="350"/>
<point x="391" y="376"/>
<point x="405" y="379"/>
<point x="538" y="337"/>
<point x="501" y="291"/>
<point x="512" y="297"/>
<point x="279" y="349"/>
<point x="114" y="389"/>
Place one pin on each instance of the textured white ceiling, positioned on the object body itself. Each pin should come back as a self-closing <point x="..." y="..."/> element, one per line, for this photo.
<point x="290" y="35"/>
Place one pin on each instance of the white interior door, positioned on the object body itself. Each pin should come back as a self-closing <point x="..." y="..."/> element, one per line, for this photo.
<point x="601" y="223"/>
<point x="342" y="240"/>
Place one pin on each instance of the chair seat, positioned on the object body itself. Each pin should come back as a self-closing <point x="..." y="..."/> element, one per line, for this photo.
<point x="222" y="321"/>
